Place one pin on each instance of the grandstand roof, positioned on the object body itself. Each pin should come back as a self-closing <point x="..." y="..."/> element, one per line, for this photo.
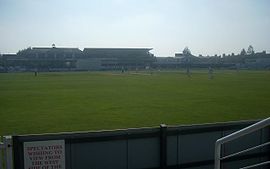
<point x="118" y="49"/>
<point x="46" y="49"/>
<point x="115" y="51"/>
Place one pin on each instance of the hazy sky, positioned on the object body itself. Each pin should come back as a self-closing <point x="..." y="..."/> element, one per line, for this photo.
<point x="205" y="26"/>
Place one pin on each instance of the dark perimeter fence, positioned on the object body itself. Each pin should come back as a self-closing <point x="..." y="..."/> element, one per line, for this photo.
<point x="164" y="147"/>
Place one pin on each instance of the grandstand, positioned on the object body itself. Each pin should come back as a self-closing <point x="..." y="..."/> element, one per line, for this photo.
<point x="73" y="59"/>
<point x="116" y="58"/>
<point x="63" y="59"/>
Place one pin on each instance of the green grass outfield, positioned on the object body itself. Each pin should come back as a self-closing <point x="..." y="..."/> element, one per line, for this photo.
<point x="76" y="101"/>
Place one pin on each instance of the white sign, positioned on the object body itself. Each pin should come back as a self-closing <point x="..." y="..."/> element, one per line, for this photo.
<point x="44" y="154"/>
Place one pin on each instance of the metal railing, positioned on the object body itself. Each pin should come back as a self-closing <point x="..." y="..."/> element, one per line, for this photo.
<point x="257" y="126"/>
<point x="6" y="153"/>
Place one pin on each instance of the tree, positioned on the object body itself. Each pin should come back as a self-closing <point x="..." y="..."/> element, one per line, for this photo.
<point x="23" y="51"/>
<point x="250" y="50"/>
<point x="186" y="51"/>
<point x="243" y="52"/>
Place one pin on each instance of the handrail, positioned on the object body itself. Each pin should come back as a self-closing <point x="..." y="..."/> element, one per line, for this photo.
<point x="244" y="151"/>
<point x="256" y="165"/>
<point x="252" y="128"/>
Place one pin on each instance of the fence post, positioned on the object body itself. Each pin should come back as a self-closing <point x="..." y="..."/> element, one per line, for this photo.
<point x="217" y="155"/>
<point x="8" y="152"/>
<point x="1" y="147"/>
<point x="163" y="146"/>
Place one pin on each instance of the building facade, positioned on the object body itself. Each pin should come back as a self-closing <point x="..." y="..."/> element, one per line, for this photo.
<point x="65" y="59"/>
<point x="116" y="58"/>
